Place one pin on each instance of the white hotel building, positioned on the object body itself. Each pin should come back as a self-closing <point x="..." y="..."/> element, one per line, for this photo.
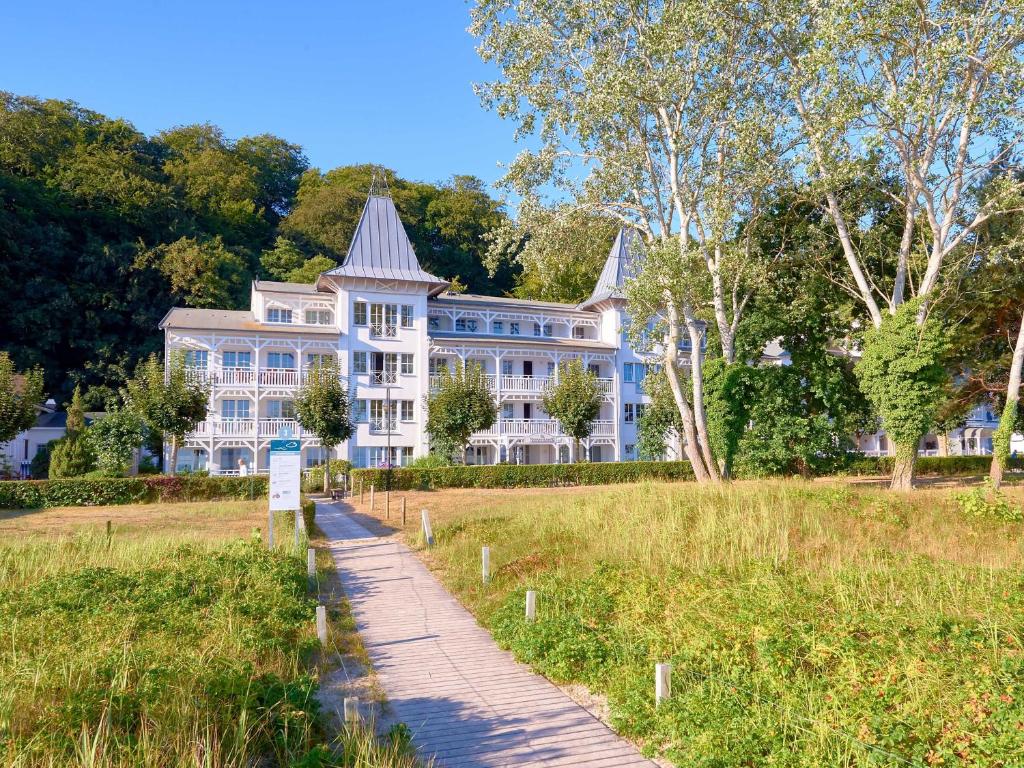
<point x="391" y="326"/>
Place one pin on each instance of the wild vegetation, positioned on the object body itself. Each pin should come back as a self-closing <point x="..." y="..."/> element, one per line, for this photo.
<point x="176" y="639"/>
<point x="808" y="624"/>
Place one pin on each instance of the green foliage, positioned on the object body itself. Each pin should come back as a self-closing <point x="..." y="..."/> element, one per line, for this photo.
<point x="322" y="407"/>
<point x="73" y="455"/>
<point x="989" y="504"/>
<point x="524" y="475"/>
<point x="573" y="399"/>
<point x="660" y="421"/>
<point x="942" y="466"/>
<point x="74" y="492"/>
<point x="40" y="467"/>
<point x="114" y="438"/>
<point x="901" y="372"/>
<point x="463" y="404"/>
<point x="428" y="461"/>
<point x="201" y="272"/>
<point x="287" y="262"/>
<point x="726" y="402"/>
<point x="170" y="405"/>
<point x="20" y="395"/>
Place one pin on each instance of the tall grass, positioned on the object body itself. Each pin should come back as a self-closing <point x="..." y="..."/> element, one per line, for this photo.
<point x="163" y="648"/>
<point x="809" y="624"/>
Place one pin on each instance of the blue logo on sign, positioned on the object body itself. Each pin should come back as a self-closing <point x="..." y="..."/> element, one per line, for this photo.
<point x="285" y="446"/>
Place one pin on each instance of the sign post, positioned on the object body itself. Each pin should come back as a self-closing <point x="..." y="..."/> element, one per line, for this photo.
<point x="285" y="473"/>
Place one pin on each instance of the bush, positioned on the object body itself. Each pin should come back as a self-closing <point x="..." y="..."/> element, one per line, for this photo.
<point x="40" y="466"/>
<point x="74" y="492"/>
<point x="522" y="475"/>
<point x="941" y="466"/>
<point x="72" y="456"/>
<point x="313" y="478"/>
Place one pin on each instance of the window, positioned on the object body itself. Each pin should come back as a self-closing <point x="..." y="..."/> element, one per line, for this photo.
<point x="506" y="411"/>
<point x="641" y="409"/>
<point x="406" y="410"/>
<point x="321" y="359"/>
<point x="548" y="330"/>
<point x="630" y="449"/>
<point x="506" y="367"/>
<point x="579" y="332"/>
<point x="595" y="369"/>
<point x="319" y="317"/>
<point x="234" y="409"/>
<point x="460" y="325"/>
<point x="551" y="369"/>
<point x="359" y="411"/>
<point x="284" y="360"/>
<point x="197" y="358"/>
<point x="536" y="329"/>
<point x="472" y="325"/>
<point x="380" y="420"/>
<point x="434" y="323"/>
<point x="384" y="320"/>
<point x="276" y="315"/>
<point x="629" y="413"/>
<point x="627" y="373"/>
<point x="359" y="313"/>
<point x="407" y="315"/>
<point x="497" y="327"/>
<point x="359" y="362"/>
<point x="238" y="359"/>
<point x="316" y="455"/>
<point x="280" y="409"/>
<point x="513" y="329"/>
<point x="436" y="365"/>
<point x="407" y="364"/>
<point x="383" y="367"/>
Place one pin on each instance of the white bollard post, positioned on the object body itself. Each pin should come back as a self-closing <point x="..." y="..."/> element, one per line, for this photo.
<point x="351" y="709"/>
<point x="485" y="560"/>
<point x="531" y="605"/>
<point x="270" y="529"/>
<point x="321" y="624"/>
<point x="428" y="534"/>
<point x="311" y="567"/>
<point x="662" y="682"/>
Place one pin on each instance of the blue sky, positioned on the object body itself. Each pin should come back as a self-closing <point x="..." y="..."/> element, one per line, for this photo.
<point x="384" y="81"/>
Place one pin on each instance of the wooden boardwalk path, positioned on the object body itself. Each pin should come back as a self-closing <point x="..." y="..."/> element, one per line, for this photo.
<point x="468" y="703"/>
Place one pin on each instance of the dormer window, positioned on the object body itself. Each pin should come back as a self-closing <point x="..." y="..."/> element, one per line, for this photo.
<point x="513" y="329"/>
<point x="497" y="327"/>
<point x="276" y="315"/>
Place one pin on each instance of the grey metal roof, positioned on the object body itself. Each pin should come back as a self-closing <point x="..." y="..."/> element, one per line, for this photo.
<point x="381" y="249"/>
<point x="519" y="341"/>
<point x="621" y="265"/>
<point x="235" y="320"/>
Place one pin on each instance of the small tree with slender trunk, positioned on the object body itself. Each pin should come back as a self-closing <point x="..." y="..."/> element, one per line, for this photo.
<point x="463" y="404"/>
<point x="574" y="401"/>
<point x="20" y="395"/>
<point x="169" y="401"/>
<point x="1001" y="438"/>
<point x="322" y="407"/>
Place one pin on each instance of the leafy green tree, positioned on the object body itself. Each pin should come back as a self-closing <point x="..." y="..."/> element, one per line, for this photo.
<point x="285" y="261"/>
<point x="203" y="273"/>
<point x="462" y="404"/>
<point x="114" y="439"/>
<point x="322" y="407"/>
<point x="902" y="374"/>
<point x="727" y="401"/>
<point x="310" y="270"/>
<point x="72" y="455"/>
<point x="660" y="422"/>
<point x="20" y="395"/>
<point x="170" y="402"/>
<point x="573" y="399"/>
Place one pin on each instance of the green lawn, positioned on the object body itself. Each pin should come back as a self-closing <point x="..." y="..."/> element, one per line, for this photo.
<point x="180" y="641"/>
<point x="809" y="624"/>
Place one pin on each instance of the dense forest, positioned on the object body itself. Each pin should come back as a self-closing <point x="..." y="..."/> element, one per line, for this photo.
<point x="103" y="229"/>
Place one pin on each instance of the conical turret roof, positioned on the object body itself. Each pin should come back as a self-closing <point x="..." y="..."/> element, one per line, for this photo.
<point x="621" y="264"/>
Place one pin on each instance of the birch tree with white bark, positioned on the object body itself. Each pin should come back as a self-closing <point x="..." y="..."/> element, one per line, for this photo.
<point x="928" y="92"/>
<point x="663" y="115"/>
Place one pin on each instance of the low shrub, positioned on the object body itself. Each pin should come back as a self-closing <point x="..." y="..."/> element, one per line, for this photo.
<point x="942" y="466"/>
<point x="522" y="475"/>
<point x="76" y="492"/>
<point x="986" y="503"/>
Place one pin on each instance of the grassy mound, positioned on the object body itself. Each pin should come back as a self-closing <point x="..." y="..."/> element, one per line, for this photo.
<point x="808" y="624"/>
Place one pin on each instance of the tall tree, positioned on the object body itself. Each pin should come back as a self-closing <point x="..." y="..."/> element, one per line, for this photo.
<point x="21" y="393"/>
<point x="663" y="117"/>
<point x="573" y="399"/>
<point x="73" y="454"/>
<point x="927" y="93"/>
<point x="322" y="407"/>
<point x="114" y="439"/>
<point x="463" y="404"/>
<point x="170" y="402"/>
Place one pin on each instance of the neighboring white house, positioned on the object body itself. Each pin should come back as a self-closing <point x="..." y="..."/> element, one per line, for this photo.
<point x="51" y="424"/>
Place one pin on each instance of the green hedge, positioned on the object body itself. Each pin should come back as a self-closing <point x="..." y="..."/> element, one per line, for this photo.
<point x="522" y="475"/>
<point x="76" y="492"/>
<point x="942" y="466"/>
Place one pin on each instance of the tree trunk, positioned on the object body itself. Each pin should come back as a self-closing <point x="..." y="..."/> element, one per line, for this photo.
<point x="699" y="413"/>
<point x="690" y="446"/>
<point x="327" y="473"/>
<point x="575" y="450"/>
<point x="1004" y="434"/>
<point x="903" y="467"/>
<point x="173" y="469"/>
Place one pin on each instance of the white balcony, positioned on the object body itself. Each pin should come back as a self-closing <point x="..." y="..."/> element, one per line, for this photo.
<point x="279" y="377"/>
<point x="384" y="378"/>
<point x="382" y="425"/>
<point x="525" y="386"/>
<point x="235" y="376"/>
<point x="273" y="427"/>
<point x="216" y="426"/>
<point x="435" y="381"/>
<point x="543" y="428"/>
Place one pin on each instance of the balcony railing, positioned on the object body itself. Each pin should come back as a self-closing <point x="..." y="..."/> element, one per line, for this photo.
<point x="383" y="425"/>
<point x="221" y="427"/>
<point x="235" y="376"/>
<point x="540" y="427"/>
<point x="273" y="427"/>
<point x="385" y="378"/>
<point x="383" y="330"/>
<point x="279" y="377"/>
<point x="524" y="385"/>
<point x="435" y="381"/>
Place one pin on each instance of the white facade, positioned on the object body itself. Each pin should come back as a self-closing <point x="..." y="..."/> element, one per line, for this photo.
<point x="391" y="326"/>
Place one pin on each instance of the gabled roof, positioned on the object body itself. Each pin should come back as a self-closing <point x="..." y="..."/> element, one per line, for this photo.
<point x="381" y="249"/>
<point x="621" y="264"/>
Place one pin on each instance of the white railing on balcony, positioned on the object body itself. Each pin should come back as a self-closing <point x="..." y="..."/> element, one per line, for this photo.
<point x="273" y="427"/>
<point x="524" y="384"/>
<point x="383" y="425"/>
<point x="435" y="381"/>
<point x="383" y="377"/>
<point x="279" y="377"/>
<point x="383" y="330"/>
<point x="235" y="376"/>
<point x="540" y="427"/>
<point x="193" y="373"/>
<point x="235" y="427"/>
